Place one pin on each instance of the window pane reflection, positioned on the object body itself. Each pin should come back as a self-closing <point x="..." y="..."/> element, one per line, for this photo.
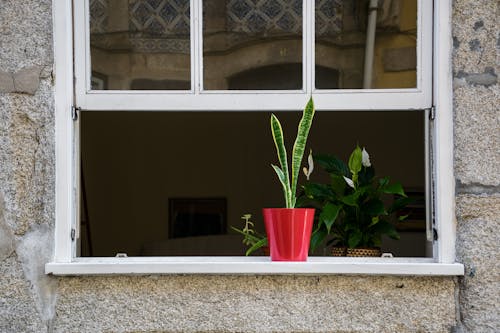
<point x="250" y="44"/>
<point x="341" y="33"/>
<point x="140" y="44"/>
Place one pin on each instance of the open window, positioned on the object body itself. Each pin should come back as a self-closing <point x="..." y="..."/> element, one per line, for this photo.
<point x="172" y="103"/>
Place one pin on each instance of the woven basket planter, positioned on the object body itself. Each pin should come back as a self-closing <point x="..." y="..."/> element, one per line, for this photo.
<point x="347" y="252"/>
<point x="339" y="251"/>
<point x="372" y="252"/>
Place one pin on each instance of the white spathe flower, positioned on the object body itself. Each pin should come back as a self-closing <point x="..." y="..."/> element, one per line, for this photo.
<point x="349" y="182"/>
<point x="310" y="162"/>
<point x="365" y="158"/>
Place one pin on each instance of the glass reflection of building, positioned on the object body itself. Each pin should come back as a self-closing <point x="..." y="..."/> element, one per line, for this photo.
<point x="248" y="44"/>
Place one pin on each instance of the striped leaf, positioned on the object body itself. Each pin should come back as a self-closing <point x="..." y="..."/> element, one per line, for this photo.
<point x="284" y="183"/>
<point x="300" y="145"/>
<point x="279" y="141"/>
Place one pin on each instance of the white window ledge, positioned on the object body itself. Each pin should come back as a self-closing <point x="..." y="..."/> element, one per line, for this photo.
<point x="254" y="265"/>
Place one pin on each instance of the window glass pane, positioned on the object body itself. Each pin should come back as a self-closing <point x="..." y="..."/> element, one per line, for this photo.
<point x="140" y="44"/>
<point x="250" y="44"/>
<point x="342" y="28"/>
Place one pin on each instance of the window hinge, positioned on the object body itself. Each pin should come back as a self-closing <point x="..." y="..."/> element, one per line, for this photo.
<point x="434" y="231"/>
<point x="74" y="112"/>
<point x="432" y="113"/>
<point x="73" y="234"/>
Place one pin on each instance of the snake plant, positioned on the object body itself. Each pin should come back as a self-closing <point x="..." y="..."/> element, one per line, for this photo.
<point x="290" y="185"/>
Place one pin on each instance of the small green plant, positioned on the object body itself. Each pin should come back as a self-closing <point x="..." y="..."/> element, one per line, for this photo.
<point x="251" y="237"/>
<point x="352" y="212"/>
<point x="290" y="185"/>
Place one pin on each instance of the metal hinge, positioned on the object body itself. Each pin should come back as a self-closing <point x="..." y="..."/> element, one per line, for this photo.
<point x="74" y="112"/>
<point x="73" y="234"/>
<point x="432" y="113"/>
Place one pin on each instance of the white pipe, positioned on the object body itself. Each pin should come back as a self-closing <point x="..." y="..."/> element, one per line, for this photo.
<point x="370" y="43"/>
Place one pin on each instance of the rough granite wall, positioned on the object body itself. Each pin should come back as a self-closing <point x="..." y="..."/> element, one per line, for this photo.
<point x="33" y="302"/>
<point x="27" y="296"/>
<point x="476" y="39"/>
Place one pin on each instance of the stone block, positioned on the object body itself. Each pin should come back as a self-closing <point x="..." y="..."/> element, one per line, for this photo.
<point x="25" y="34"/>
<point x="27" y="80"/>
<point x="400" y="59"/>
<point x="27" y="157"/>
<point x="477" y="132"/>
<point x="478" y="248"/>
<point x="475" y="27"/>
<point x="6" y="82"/>
<point x="204" y="303"/>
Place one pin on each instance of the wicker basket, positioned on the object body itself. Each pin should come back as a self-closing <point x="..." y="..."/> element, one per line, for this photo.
<point x="339" y="251"/>
<point x="362" y="252"/>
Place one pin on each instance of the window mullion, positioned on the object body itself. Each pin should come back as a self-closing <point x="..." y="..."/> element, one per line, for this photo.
<point x="308" y="45"/>
<point x="196" y="45"/>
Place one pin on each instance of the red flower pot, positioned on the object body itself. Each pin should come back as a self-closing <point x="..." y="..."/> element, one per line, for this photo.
<point x="288" y="232"/>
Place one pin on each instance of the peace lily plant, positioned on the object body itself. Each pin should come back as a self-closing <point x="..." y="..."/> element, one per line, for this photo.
<point x="353" y="212"/>
<point x="289" y="229"/>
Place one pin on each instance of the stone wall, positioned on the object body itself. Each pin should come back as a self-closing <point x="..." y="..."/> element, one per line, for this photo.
<point x="476" y="40"/>
<point x="33" y="302"/>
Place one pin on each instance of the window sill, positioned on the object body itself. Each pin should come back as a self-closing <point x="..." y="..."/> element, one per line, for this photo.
<point x="254" y="265"/>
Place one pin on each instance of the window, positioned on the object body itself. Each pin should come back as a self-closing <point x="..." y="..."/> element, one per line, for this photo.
<point x="220" y="55"/>
<point x="239" y="56"/>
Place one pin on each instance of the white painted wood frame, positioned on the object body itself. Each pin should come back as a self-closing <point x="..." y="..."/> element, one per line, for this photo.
<point x="198" y="99"/>
<point x="65" y="261"/>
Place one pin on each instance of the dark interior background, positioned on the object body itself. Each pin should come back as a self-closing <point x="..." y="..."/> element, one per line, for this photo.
<point x="133" y="163"/>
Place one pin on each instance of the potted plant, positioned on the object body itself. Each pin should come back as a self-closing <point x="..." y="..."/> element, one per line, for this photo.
<point x="251" y="238"/>
<point x="289" y="229"/>
<point x="353" y="214"/>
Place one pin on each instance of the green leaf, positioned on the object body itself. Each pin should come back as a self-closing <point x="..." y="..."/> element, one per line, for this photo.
<point x="350" y="200"/>
<point x="317" y="191"/>
<point x="338" y="184"/>
<point x="253" y="239"/>
<point x="355" y="161"/>
<point x="399" y="204"/>
<point x="366" y="176"/>
<point x="375" y="220"/>
<point x="256" y="246"/>
<point x="385" y="228"/>
<point x="374" y="207"/>
<point x="317" y="238"/>
<point x="279" y="142"/>
<point x="355" y="238"/>
<point x="383" y="182"/>
<point x="300" y="145"/>
<point x="402" y="218"/>
<point x="332" y="164"/>
<point x="284" y="184"/>
<point x="395" y="188"/>
<point x="329" y="215"/>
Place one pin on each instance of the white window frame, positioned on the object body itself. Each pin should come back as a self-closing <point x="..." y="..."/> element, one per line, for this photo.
<point x="65" y="261"/>
<point x="199" y="99"/>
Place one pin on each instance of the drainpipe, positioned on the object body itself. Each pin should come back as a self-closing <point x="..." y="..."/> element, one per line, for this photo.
<point x="370" y="43"/>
